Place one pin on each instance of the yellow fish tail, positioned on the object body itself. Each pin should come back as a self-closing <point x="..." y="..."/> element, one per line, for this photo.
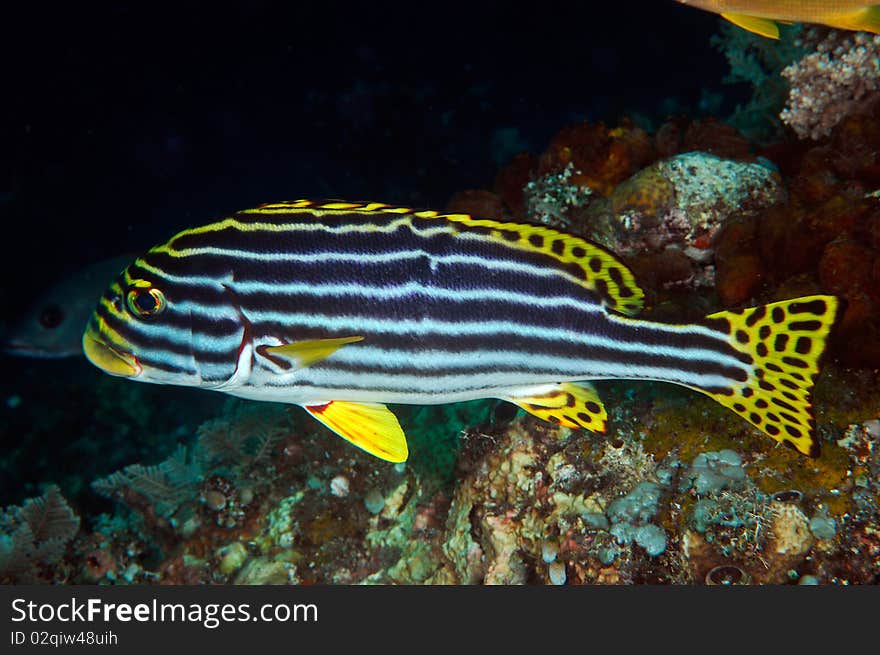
<point x="784" y="341"/>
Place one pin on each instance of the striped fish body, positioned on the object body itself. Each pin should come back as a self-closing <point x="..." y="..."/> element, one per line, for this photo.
<point x="340" y="307"/>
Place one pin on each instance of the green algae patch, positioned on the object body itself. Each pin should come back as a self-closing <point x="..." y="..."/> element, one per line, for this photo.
<point x="845" y="396"/>
<point x="823" y="477"/>
<point x="688" y="424"/>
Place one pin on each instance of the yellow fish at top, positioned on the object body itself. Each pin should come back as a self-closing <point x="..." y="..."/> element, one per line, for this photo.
<point x="761" y="16"/>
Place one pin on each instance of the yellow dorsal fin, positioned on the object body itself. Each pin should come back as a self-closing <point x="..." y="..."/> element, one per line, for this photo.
<point x="591" y="265"/>
<point x="569" y="404"/>
<point x="369" y="426"/>
<point x="784" y="341"/>
<point x="762" y="26"/>
<point x="305" y="353"/>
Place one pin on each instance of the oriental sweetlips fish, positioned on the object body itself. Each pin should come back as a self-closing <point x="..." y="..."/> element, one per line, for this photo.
<point x="761" y="16"/>
<point x="340" y="307"/>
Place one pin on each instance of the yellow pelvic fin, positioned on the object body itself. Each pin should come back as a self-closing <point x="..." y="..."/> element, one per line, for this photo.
<point x="569" y="404"/>
<point x="864" y="20"/>
<point x="369" y="426"/>
<point x="305" y="353"/>
<point x="784" y="341"/>
<point x="762" y="26"/>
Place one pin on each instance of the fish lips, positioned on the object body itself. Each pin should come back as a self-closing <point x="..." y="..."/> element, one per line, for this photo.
<point x="107" y="358"/>
<point x="24" y="349"/>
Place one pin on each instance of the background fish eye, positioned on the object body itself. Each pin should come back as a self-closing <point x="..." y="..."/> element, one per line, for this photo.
<point x="145" y="302"/>
<point x="51" y="317"/>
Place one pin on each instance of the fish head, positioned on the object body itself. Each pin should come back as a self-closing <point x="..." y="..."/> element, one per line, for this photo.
<point x="52" y="326"/>
<point x="144" y="328"/>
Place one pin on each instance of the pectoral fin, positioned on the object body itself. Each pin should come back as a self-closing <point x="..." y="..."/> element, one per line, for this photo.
<point x="369" y="426"/>
<point x="304" y="353"/>
<point x="570" y="404"/>
<point x="762" y="26"/>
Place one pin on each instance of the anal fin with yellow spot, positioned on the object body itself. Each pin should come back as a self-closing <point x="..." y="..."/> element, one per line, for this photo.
<point x="304" y="353"/>
<point x="569" y="404"/>
<point x="762" y="26"/>
<point x="369" y="426"/>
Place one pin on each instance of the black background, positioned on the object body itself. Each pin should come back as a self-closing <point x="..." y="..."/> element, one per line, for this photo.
<point x="124" y="122"/>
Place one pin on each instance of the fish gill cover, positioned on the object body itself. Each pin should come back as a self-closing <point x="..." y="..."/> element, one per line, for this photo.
<point x="721" y="169"/>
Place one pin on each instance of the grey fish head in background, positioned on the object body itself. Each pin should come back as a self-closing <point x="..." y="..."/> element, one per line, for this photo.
<point x="52" y="326"/>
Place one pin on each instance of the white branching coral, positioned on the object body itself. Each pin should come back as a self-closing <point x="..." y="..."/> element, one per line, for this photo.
<point x="828" y="83"/>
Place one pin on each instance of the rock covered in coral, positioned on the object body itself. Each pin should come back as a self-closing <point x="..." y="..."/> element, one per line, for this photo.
<point x="790" y="529"/>
<point x="528" y="501"/>
<point x="553" y="198"/>
<point x="679" y="204"/>
<point x="601" y="157"/>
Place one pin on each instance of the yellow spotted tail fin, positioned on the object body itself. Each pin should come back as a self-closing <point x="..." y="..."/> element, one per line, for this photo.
<point x="785" y="341"/>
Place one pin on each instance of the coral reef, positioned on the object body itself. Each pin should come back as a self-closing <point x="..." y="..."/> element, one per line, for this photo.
<point x="600" y="157"/>
<point x="758" y="61"/>
<point x="550" y="198"/>
<point x="672" y="210"/>
<point x="696" y="207"/>
<point x="829" y="82"/>
<point x="34" y="537"/>
<point x="679" y="489"/>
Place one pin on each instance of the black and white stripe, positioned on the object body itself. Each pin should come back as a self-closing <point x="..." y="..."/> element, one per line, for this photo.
<point x="445" y="314"/>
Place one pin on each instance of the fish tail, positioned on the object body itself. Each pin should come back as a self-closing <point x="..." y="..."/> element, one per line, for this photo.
<point x="784" y="342"/>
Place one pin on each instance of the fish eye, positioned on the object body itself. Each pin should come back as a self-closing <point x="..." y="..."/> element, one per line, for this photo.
<point x="51" y="317"/>
<point x="145" y="302"/>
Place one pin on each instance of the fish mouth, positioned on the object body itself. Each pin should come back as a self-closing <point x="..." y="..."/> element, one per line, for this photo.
<point x="29" y="350"/>
<point x="108" y="359"/>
